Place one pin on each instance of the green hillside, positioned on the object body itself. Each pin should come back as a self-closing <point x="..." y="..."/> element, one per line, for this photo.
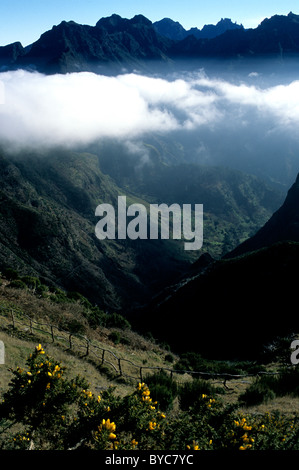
<point x="47" y="211"/>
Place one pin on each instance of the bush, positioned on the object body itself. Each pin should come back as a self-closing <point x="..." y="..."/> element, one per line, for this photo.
<point x="43" y="409"/>
<point x="10" y="274"/>
<point x="31" y="282"/>
<point x="191" y="361"/>
<point x="191" y="392"/>
<point x="163" y="388"/>
<point x="267" y="387"/>
<point x="115" y="320"/>
<point x="114" y="337"/>
<point x="256" y="394"/>
<point x="77" y="297"/>
<point x="17" y="284"/>
<point x="58" y="295"/>
<point x="75" y="327"/>
<point x="169" y="358"/>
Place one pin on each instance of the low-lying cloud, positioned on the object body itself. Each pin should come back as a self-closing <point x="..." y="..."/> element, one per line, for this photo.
<point x="81" y="108"/>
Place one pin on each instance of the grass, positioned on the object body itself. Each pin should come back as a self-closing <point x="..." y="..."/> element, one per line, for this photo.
<point x="20" y="341"/>
<point x="144" y="353"/>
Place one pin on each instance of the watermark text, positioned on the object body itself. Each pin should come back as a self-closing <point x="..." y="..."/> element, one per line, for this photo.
<point x="162" y="221"/>
<point x="295" y="353"/>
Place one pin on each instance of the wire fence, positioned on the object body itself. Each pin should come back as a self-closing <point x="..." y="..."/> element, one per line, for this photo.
<point x="121" y="367"/>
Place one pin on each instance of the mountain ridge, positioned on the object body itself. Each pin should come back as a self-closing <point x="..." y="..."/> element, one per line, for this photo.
<point x="130" y="44"/>
<point x="234" y="304"/>
<point x="174" y="30"/>
<point x="282" y="226"/>
<point x="47" y="213"/>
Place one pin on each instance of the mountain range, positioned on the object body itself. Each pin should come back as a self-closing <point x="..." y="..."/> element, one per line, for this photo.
<point x="236" y="305"/>
<point x="174" y="30"/>
<point x="47" y="210"/>
<point x="116" y="44"/>
<point x="241" y="292"/>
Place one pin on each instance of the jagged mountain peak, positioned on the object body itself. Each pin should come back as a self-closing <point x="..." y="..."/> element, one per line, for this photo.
<point x="127" y="44"/>
<point x="117" y="23"/>
<point x="174" y="30"/>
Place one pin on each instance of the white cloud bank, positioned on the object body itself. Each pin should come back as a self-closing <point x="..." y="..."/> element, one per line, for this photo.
<point x="80" y="108"/>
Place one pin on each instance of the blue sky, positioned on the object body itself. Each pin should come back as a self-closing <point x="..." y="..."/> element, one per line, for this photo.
<point x="26" y="21"/>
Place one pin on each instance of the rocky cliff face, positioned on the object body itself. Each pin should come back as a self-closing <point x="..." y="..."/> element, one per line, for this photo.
<point x="282" y="226"/>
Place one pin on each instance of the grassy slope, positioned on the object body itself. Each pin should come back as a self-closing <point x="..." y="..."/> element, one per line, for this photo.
<point x="19" y="343"/>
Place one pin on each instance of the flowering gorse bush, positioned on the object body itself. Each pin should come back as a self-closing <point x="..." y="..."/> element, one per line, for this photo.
<point x="43" y="409"/>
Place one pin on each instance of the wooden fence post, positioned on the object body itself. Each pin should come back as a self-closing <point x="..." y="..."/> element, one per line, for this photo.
<point x="119" y="366"/>
<point x="52" y="333"/>
<point x="13" y="320"/>
<point x="70" y="340"/>
<point x="103" y="354"/>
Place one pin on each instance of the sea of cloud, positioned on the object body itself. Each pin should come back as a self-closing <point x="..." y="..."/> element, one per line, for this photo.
<point x="81" y="108"/>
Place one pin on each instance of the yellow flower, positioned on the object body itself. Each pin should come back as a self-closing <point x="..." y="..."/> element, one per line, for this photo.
<point x="56" y="369"/>
<point x="112" y="436"/>
<point x="195" y="446"/>
<point x="108" y="425"/>
<point x="247" y="428"/>
<point x="134" y="443"/>
<point x="99" y="399"/>
<point x="40" y="349"/>
<point x="152" y="425"/>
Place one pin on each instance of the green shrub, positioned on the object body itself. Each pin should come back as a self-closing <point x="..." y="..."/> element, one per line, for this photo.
<point x="114" y="337"/>
<point x="115" y="320"/>
<point x="10" y="274"/>
<point x="58" y="295"/>
<point x="169" y="358"/>
<point x="163" y="388"/>
<point x="79" y="298"/>
<point x="267" y="387"/>
<point x="191" y="361"/>
<point x="75" y="327"/>
<point x="287" y="382"/>
<point x="31" y="282"/>
<point x="257" y="394"/>
<point x="43" y="409"/>
<point x="17" y="284"/>
<point x="190" y="392"/>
